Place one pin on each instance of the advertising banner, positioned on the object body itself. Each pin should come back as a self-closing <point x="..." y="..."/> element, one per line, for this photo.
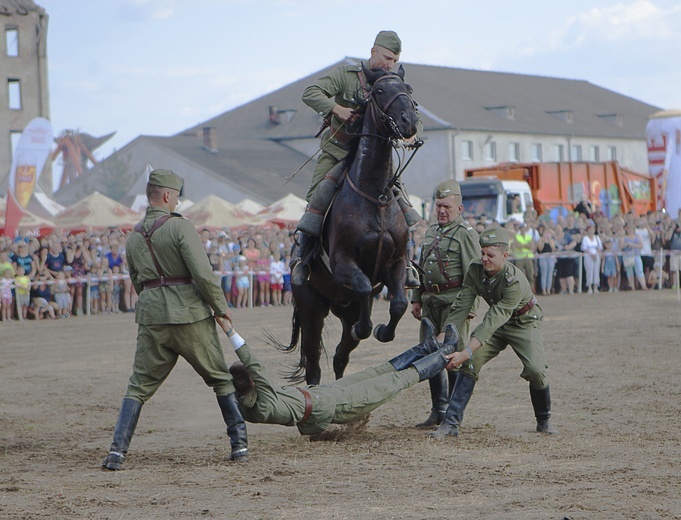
<point x="663" y="135"/>
<point x="28" y="162"/>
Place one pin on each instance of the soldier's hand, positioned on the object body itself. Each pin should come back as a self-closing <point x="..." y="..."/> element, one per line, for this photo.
<point x="416" y="310"/>
<point x="344" y="113"/>
<point x="456" y="359"/>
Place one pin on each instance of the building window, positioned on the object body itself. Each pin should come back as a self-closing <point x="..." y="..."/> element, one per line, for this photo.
<point x="594" y="154"/>
<point x="536" y="152"/>
<point x="14" y="137"/>
<point x="12" y="41"/>
<point x="612" y="153"/>
<point x="514" y="152"/>
<point x="559" y="152"/>
<point x="490" y="151"/>
<point x="576" y="152"/>
<point x="467" y="150"/>
<point x="14" y="94"/>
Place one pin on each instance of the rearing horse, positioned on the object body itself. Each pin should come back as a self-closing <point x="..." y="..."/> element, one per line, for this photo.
<point x="365" y="235"/>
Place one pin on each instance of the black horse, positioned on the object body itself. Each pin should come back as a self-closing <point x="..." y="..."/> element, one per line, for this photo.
<point x="365" y="235"/>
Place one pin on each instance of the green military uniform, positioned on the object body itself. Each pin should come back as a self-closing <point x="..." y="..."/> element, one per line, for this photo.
<point x="507" y="293"/>
<point x="178" y="294"/>
<point x="175" y="320"/>
<point x="513" y="318"/>
<point x="343" y="401"/>
<point x="341" y="86"/>
<point x="446" y="252"/>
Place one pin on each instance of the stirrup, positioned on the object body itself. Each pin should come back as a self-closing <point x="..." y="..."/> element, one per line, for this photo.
<point x="300" y="274"/>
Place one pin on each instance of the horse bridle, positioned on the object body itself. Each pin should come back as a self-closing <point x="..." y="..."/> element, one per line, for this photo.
<point x="379" y="114"/>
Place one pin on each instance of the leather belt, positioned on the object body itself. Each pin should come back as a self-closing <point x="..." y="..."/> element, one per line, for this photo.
<point x="340" y="135"/>
<point x="308" y="406"/>
<point x="525" y="308"/>
<point x="166" y="281"/>
<point x="442" y="287"/>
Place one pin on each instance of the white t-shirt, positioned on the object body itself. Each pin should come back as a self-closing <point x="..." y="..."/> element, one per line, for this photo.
<point x="591" y="246"/>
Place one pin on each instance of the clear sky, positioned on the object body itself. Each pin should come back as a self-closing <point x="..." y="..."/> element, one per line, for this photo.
<point x="156" y="67"/>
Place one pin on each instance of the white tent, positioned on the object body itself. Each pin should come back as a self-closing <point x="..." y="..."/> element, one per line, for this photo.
<point x="285" y="211"/>
<point x="250" y="206"/>
<point x="215" y="213"/>
<point x="97" y="211"/>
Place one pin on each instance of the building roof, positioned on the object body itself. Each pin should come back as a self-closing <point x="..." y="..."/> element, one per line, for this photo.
<point x="8" y="7"/>
<point x="255" y="141"/>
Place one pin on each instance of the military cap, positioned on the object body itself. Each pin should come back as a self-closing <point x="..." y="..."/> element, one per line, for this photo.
<point x="493" y="236"/>
<point x="166" y="179"/>
<point x="447" y="188"/>
<point x="389" y="40"/>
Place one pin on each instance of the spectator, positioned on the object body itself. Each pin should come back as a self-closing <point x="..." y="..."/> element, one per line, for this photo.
<point x="546" y="247"/>
<point x="523" y="248"/>
<point x="242" y="282"/>
<point x="565" y="246"/>
<point x="592" y="247"/>
<point x="6" y="299"/>
<point x="22" y="284"/>
<point x="610" y="265"/>
<point x="263" y="277"/>
<point x="78" y="259"/>
<point x="631" y="257"/>
<point x="42" y="305"/>
<point x="646" y="235"/>
<point x="62" y="297"/>
<point x="674" y="241"/>
<point x="24" y="258"/>
<point x="116" y="289"/>
<point x="277" y="270"/>
<point x="55" y="260"/>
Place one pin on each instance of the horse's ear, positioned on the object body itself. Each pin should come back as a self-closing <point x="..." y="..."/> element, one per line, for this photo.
<point x="369" y="74"/>
<point x="400" y="72"/>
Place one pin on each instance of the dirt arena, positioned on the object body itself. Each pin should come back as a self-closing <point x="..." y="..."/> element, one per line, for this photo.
<point x="615" y="378"/>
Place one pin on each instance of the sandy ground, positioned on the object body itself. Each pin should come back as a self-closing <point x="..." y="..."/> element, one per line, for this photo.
<point x="617" y="401"/>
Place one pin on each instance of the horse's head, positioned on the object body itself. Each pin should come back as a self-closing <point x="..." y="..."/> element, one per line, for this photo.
<point x="390" y="104"/>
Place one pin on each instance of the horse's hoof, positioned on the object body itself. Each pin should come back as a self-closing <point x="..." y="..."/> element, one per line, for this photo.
<point x="358" y="337"/>
<point x="381" y="334"/>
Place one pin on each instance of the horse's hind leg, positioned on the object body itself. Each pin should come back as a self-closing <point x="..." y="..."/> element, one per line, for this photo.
<point x="313" y="309"/>
<point x="398" y="303"/>
<point x="348" y="315"/>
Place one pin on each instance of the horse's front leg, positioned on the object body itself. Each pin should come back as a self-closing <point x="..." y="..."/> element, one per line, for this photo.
<point x="348" y="314"/>
<point x="398" y="303"/>
<point x="347" y="272"/>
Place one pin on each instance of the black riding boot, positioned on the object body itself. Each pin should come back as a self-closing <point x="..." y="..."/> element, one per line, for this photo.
<point x="463" y="389"/>
<point x="439" y="397"/>
<point x="411" y="281"/>
<point x="300" y="271"/>
<point x="430" y="365"/>
<point x="427" y="346"/>
<point x="125" y="428"/>
<point x="541" y="402"/>
<point x="236" y="427"/>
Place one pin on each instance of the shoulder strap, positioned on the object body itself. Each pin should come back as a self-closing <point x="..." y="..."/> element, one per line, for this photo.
<point x="147" y="237"/>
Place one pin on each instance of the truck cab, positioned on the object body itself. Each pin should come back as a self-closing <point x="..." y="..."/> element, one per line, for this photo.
<point x="496" y="199"/>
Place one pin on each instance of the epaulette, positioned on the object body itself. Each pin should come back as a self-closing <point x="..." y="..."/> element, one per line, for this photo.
<point x="510" y="275"/>
<point x="466" y="225"/>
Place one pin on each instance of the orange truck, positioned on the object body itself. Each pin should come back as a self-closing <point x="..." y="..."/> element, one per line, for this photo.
<point x="504" y="191"/>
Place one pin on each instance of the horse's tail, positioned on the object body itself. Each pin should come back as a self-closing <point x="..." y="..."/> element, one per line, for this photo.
<point x="273" y="341"/>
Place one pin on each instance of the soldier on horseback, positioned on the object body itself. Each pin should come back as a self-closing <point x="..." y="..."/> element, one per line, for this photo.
<point x="337" y="97"/>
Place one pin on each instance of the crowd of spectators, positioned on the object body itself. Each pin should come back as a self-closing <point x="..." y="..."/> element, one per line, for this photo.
<point x="71" y="274"/>
<point x="584" y="251"/>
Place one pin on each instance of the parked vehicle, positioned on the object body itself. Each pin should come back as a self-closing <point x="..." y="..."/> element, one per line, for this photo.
<point x="505" y="191"/>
